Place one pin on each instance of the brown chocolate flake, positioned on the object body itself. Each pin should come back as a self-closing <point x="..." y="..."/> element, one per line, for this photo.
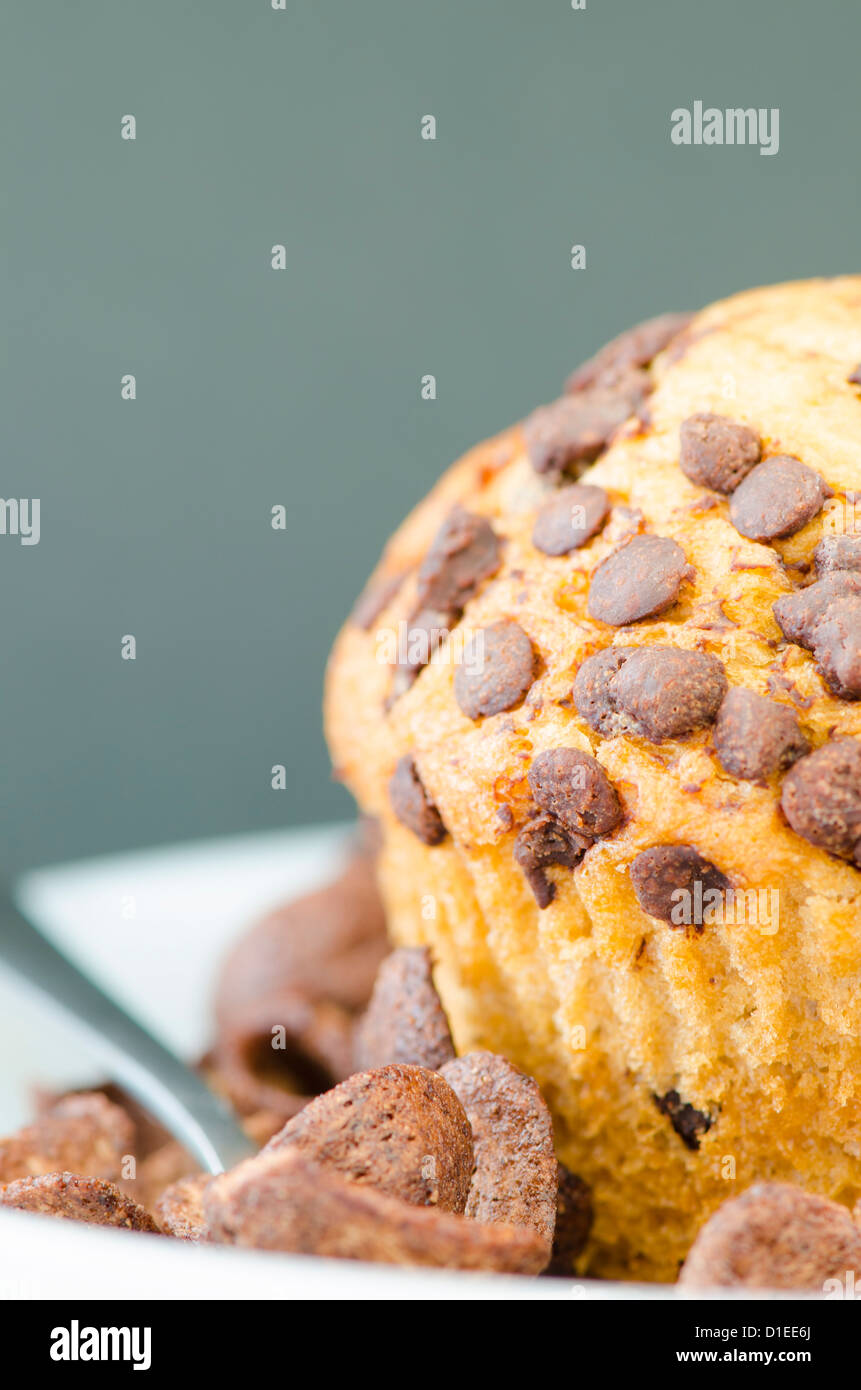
<point x="464" y="552"/>
<point x="77" y="1198"/>
<point x="717" y="452"/>
<point x="540" y="843"/>
<point x="636" y="347"/>
<point x="497" y="670"/>
<point x="777" y="498"/>
<point x="652" y="692"/>
<point x="639" y="580"/>
<point x="821" y="798"/>
<point x="405" y="1021"/>
<point x="755" y="737"/>
<point x="570" y="518"/>
<point x="672" y="882"/>
<point x="570" y="433"/>
<point x="838" y="553"/>
<point x="689" y="1124"/>
<point x="412" y="805"/>
<point x="574" y="788"/>
<point x="825" y="618"/>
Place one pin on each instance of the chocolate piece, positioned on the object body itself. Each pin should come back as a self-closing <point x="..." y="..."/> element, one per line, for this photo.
<point x="412" y="805"/>
<point x="427" y="631"/>
<point x="574" y="788"/>
<point x="374" y="598"/>
<point x="717" y="452"/>
<point x="574" y="1213"/>
<point x="652" y="692"/>
<point x="497" y="670"/>
<point x="774" y="1236"/>
<point x="405" y="1021"/>
<point x="755" y="737"/>
<point x="636" y="347"/>
<point x="83" y="1132"/>
<point x="821" y="798"/>
<point x="399" y="1128"/>
<point x="542" y="842"/>
<point x="515" y="1163"/>
<point x="798" y="615"/>
<point x="179" y="1209"/>
<point x="689" y="1124"/>
<point x="671" y="883"/>
<point x="854" y="377"/>
<point x="777" y="498"/>
<point x="570" y="433"/>
<point x="570" y="518"/>
<point x="639" y="580"/>
<point x="282" y="1201"/>
<point x="464" y="552"/>
<point x="838" y="553"/>
<point x="76" y="1198"/>
<point x="826" y="619"/>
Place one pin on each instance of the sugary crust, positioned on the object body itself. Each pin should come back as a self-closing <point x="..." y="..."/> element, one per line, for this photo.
<point x="604" y="1005"/>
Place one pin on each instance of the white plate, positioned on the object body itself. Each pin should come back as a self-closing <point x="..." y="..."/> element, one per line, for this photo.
<point x="152" y="927"/>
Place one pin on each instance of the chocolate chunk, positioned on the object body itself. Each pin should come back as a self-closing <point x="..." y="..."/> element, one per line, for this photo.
<point x="574" y="1213"/>
<point x="826" y="619"/>
<point x="854" y="377"/>
<point x="755" y="737"/>
<point x="399" y="1128"/>
<point x="464" y="552"/>
<point x="672" y="881"/>
<point x="777" y="498"/>
<point x="639" y="580"/>
<point x="570" y="433"/>
<point x="405" y="1021"/>
<point x="717" y="452"/>
<point x="574" y="788"/>
<point x="76" y="1198"/>
<point x="498" y="668"/>
<point x="515" y="1163"/>
<point x="427" y="630"/>
<point x="570" y="519"/>
<point x="798" y="615"/>
<point x="376" y="596"/>
<point x="540" y="843"/>
<point x="821" y="798"/>
<point x="775" y="1236"/>
<point x="688" y="1123"/>
<point x="85" y="1133"/>
<point x="838" y="553"/>
<point x="653" y="692"/>
<point x="636" y="347"/>
<point x="412" y="805"/>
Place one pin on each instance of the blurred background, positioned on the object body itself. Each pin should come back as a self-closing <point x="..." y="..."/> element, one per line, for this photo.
<point x="300" y="388"/>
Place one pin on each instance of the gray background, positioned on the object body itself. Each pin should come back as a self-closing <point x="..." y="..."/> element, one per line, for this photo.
<point x="256" y="388"/>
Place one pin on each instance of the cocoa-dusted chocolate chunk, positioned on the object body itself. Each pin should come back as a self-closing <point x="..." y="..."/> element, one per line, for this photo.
<point x="570" y="433"/>
<point x="672" y="883"/>
<point x="777" y="498"/>
<point x="399" y="1128"/>
<point x="465" y="551"/>
<point x="374" y="598"/>
<point x="570" y="518"/>
<point x="542" y="842"/>
<point x="690" y="1124"/>
<point x="826" y="619"/>
<point x="639" y="580"/>
<point x="179" y="1209"/>
<point x="574" y="1215"/>
<point x="77" y="1198"/>
<point x="755" y="736"/>
<point x="636" y="347"/>
<point x="652" y="692"/>
<point x="498" y="668"/>
<point x="774" y="1236"/>
<point x="838" y="553"/>
<point x="854" y="376"/>
<point x="717" y="452"/>
<point x="798" y="615"/>
<point x="405" y="1021"/>
<point x="83" y="1133"/>
<point x="285" y="1201"/>
<point x="515" y="1177"/>
<point x="574" y="788"/>
<point x="821" y="798"/>
<point x="412" y="805"/>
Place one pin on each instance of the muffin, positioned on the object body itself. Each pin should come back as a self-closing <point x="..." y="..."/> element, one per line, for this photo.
<point x="601" y="694"/>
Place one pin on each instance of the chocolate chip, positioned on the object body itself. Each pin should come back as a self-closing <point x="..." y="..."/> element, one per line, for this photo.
<point x="798" y="615"/>
<point x="574" y="787"/>
<point x="405" y="1021"/>
<point x="570" y="519"/>
<point x="652" y="692"/>
<point x="717" y="452"/>
<point x="825" y="618"/>
<point x="821" y="798"/>
<point x="838" y="553"/>
<point x="376" y="596"/>
<point x="636" y="347"/>
<point x="464" y="552"/>
<point x="755" y="737"/>
<point x="688" y="1123"/>
<point x="777" y="498"/>
<point x="574" y="1212"/>
<point x="412" y="805"/>
<point x="639" y="580"/>
<point x="540" y="843"/>
<point x="427" y="630"/>
<point x="671" y="881"/>
<point x="854" y="377"/>
<point x="497" y="670"/>
<point x="571" y="432"/>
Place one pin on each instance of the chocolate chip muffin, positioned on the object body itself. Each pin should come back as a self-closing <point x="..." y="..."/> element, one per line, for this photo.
<point x="602" y="693"/>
